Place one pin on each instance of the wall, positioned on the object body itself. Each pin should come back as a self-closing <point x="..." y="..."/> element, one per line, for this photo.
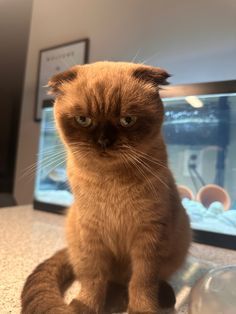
<point x="14" y="31"/>
<point x="194" y="40"/>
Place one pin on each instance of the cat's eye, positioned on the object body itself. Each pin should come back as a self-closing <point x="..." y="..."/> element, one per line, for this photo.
<point x="128" y="121"/>
<point x="83" y="121"/>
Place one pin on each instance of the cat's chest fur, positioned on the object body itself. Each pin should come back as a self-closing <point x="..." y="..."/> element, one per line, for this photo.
<point x="111" y="201"/>
<point x="115" y="209"/>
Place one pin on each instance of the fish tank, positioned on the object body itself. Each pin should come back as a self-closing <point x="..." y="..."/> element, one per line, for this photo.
<point x="200" y="133"/>
<point x="51" y="191"/>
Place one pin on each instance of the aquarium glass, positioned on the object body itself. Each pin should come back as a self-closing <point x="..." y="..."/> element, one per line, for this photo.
<point x="51" y="181"/>
<point x="200" y="133"/>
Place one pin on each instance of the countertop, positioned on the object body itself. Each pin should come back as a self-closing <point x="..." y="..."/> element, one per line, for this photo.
<point x="28" y="236"/>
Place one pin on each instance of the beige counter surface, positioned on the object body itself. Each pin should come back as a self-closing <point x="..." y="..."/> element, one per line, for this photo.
<point x="28" y="236"/>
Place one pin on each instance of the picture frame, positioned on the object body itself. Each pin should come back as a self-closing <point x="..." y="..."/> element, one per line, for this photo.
<point x="54" y="60"/>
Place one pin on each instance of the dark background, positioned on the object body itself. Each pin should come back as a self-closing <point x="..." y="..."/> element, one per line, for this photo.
<point x="15" y="19"/>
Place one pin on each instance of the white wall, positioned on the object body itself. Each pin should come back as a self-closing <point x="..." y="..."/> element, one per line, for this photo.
<point x="194" y="40"/>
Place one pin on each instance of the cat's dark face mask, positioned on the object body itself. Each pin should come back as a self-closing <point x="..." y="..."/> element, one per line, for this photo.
<point x="108" y="110"/>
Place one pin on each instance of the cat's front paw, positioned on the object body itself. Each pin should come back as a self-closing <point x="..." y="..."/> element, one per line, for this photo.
<point x="166" y="295"/>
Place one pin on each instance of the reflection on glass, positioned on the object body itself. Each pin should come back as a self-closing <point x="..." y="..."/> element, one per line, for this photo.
<point x="215" y="292"/>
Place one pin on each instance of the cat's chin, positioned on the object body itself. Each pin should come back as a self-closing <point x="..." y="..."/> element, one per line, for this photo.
<point x="107" y="158"/>
<point x="104" y="155"/>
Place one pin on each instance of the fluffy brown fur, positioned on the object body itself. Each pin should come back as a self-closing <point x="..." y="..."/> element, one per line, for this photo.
<point x="127" y="225"/>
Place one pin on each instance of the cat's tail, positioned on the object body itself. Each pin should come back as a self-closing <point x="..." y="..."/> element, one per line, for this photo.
<point x="44" y="288"/>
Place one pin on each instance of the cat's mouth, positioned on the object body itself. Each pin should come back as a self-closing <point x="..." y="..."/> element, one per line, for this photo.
<point x="104" y="154"/>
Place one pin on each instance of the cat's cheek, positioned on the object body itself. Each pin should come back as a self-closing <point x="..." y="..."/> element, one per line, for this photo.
<point x="141" y="133"/>
<point x="72" y="136"/>
<point x="69" y="129"/>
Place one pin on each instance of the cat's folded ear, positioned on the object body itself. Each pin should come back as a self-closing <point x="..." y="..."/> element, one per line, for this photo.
<point x="56" y="82"/>
<point x="154" y="75"/>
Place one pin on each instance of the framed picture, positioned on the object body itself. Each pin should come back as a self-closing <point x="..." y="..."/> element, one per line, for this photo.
<point x="54" y="60"/>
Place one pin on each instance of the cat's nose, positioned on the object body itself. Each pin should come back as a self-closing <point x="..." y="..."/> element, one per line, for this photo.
<point x="105" y="142"/>
<point x="106" y="135"/>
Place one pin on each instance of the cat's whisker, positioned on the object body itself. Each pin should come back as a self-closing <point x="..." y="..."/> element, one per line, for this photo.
<point x="145" y="155"/>
<point x="33" y="171"/>
<point x="150" y="184"/>
<point x="149" y="58"/>
<point x="79" y="152"/>
<point x="80" y="155"/>
<point x="143" y="174"/>
<point x="43" y="168"/>
<point x="53" y="145"/>
<point x="55" y="166"/>
<point x="135" y="56"/>
<point x="125" y="161"/>
<point x="40" y="163"/>
<point x="149" y="169"/>
<point x="48" y="154"/>
<point x="59" y="148"/>
<point x="149" y="159"/>
<point x="31" y="176"/>
<point x="34" y="165"/>
<point x="79" y="144"/>
<point x="53" y="150"/>
<point x="59" y="162"/>
<point x="49" y="161"/>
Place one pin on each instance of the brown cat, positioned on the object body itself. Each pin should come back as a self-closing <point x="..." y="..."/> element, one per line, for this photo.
<point x="127" y="225"/>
